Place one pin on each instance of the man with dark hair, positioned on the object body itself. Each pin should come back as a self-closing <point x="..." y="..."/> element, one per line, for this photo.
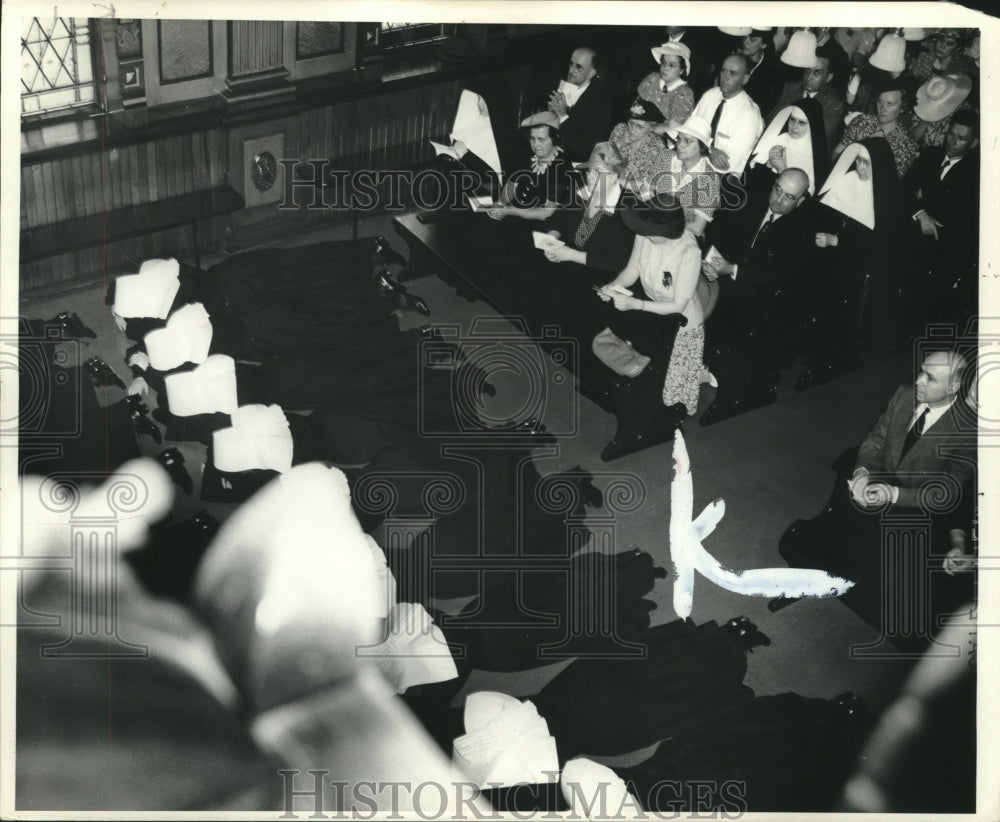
<point x="943" y="185"/>
<point x="763" y="83"/>
<point x="734" y="117"/>
<point x="817" y="82"/>
<point x="582" y="105"/>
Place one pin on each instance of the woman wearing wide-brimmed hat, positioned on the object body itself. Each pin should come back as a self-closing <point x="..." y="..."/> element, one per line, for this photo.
<point x="937" y="102"/>
<point x="655" y="290"/>
<point x="667" y="88"/>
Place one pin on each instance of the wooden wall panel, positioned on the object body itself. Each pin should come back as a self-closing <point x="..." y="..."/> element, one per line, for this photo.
<point x="374" y="131"/>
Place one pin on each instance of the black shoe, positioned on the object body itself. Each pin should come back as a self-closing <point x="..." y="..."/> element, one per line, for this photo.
<point x="102" y="374"/>
<point x="778" y="603"/>
<point x="719" y="411"/>
<point x="386" y="254"/>
<point x="408" y="302"/>
<point x="72" y="325"/>
<point x="747" y="633"/>
<point x="137" y="411"/>
<point x="173" y="461"/>
<point x="386" y="284"/>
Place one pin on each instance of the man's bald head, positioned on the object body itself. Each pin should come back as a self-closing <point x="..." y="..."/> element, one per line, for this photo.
<point x="789" y="190"/>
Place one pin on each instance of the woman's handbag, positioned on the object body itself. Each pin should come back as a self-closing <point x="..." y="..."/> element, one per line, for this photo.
<point x="618" y="355"/>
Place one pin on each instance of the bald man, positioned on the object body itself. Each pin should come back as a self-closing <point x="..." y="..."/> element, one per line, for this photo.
<point x="917" y="464"/>
<point x="758" y="254"/>
<point x="582" y="105"/>
<point x="901" y="453"/>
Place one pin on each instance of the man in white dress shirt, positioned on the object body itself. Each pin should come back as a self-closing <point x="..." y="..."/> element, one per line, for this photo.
<point x="735" y="118"/>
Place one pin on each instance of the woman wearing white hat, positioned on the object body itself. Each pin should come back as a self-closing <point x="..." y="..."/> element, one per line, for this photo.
<point x="937" y="102"/>
<point x="692" y="180"/>
<point x="542" y="182"/>
<point x="667" y="88"/>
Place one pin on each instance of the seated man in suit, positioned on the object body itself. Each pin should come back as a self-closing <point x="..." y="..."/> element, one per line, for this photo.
<point x="734" y="117"/>
<point x="916" y="459"/>
<point x="582" y="105"/>
<point x="943" y="185"/>
<point x="758" y="255"/>
<point x="817" y="82"/>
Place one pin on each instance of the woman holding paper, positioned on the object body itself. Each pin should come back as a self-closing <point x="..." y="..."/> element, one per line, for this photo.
<point x="594" y="237"/>
<point x="656" y="286"/>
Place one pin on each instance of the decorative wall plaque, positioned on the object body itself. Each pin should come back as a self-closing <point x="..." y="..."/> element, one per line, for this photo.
<point x="264" y="170"/>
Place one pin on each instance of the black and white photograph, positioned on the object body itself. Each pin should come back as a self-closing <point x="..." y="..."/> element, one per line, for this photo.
<point x="569" y="410"/>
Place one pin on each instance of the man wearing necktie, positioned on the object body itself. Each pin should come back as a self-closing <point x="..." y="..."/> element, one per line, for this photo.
<point x="917" y="462"/>
<point x="735" y="117"/>
<point x="759" y="255"/>
<point x="943" y="186"/>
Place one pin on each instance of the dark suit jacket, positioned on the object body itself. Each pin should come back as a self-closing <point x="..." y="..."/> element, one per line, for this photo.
<point x="953" y="201"/>
<point x="780" y="255"/>
<point x="832" y="103"/>
<point x="589" y="121"/>
<point x="927" y="460"/>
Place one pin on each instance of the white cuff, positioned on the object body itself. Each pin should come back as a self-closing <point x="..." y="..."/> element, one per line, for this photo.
<point x="563" y="118"/>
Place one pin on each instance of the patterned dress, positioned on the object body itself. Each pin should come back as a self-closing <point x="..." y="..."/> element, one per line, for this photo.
<point x="673" y="105"/>
<point x="644" y="160"/>
<point x="683" y="381"/>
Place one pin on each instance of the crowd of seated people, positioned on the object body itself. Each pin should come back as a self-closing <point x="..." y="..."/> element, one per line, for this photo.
<point x="695" y="243"/>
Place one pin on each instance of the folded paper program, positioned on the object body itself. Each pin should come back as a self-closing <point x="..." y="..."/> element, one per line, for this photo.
<point x="185" y="338"/>
<point x="259" y="438"/>
<point x="206" y="389"/>
<point x="506" y="742"/>
<point x="150" y="293"/>
<point x="414" y="651"/>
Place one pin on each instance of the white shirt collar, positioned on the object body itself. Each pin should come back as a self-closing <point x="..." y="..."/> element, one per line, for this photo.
<point x="573" y="96"/>
<point x="933" y="414"/>
<point x="674" y="84"/>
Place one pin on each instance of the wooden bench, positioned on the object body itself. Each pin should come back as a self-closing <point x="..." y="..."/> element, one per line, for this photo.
<point x="80" y="233"/>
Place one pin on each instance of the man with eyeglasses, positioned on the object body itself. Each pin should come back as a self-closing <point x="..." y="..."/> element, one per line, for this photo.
<point x="582" y="104"/>
<point x="758" y="255"/>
